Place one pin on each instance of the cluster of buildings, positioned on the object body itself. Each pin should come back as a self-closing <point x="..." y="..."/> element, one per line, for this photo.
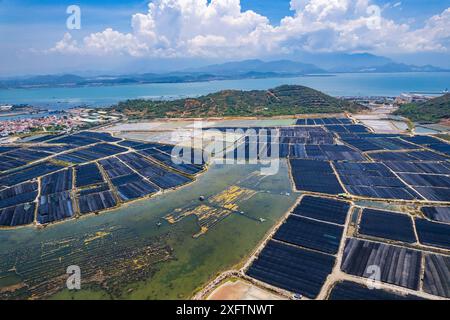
<point x="27" y="125"/>
<point x="93" y="116"/>
<point x="62" y="121"/>
<point x="406" y="98"/>
<point x="373" y="101"/>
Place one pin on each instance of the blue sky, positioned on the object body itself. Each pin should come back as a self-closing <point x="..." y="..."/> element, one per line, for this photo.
<point x="30" y="29"/>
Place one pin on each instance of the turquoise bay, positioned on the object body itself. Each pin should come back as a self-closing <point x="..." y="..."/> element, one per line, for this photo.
<point x="335" y="85"/>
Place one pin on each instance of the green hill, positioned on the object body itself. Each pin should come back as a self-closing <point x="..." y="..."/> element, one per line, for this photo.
<point x="432" y="111"/>
<point x="283" y="100"/>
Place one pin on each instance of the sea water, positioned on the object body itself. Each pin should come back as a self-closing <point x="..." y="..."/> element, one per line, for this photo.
<point x="345" y="84"/>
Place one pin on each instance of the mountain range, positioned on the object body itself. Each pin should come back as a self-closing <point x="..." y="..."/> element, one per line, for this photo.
<point x="251" y="66"/>
<point x="318" y="64"/>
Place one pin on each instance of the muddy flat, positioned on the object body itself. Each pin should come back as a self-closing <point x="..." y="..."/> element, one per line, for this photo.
<point x="240" y="290"/>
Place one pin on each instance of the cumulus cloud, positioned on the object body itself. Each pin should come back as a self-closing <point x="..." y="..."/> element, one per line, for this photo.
<point x="220" y="28"/>
<point x="66" y="44"/>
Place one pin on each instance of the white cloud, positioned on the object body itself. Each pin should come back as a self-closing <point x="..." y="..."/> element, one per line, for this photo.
<point x="111" y="41"/>
<point x="437" y="30"/>
<point x="196" y="28"/>
<point x="66" y="44"/>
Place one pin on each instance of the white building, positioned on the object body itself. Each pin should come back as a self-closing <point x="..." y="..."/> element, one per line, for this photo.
<point x="5" y="108"/>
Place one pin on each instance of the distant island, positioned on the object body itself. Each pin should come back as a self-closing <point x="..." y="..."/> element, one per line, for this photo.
<point x="432" y="111"/>
<point x="283" y="100"/>
<point x="247" y="69"/>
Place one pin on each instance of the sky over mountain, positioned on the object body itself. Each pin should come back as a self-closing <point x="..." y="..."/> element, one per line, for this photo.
<point x="189" y="32"/>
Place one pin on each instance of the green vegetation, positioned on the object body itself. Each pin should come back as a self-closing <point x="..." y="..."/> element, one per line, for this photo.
<point x="284" y="100"/>
<point x="445" y="137"/>
<point x="432" y="111"/>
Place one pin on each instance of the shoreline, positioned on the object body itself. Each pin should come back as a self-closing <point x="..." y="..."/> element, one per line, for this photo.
<point x="354" y="84"/>
<point x="219" y="79"/>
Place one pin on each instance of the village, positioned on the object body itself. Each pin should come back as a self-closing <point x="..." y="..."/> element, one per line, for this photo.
<point x="58" y="121"/>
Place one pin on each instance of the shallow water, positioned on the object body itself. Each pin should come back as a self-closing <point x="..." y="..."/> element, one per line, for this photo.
<point x="40" y="256"/>
<point x="425" y="130"/>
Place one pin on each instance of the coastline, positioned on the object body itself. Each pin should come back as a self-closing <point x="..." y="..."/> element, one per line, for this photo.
<point x="340" y="85"/>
